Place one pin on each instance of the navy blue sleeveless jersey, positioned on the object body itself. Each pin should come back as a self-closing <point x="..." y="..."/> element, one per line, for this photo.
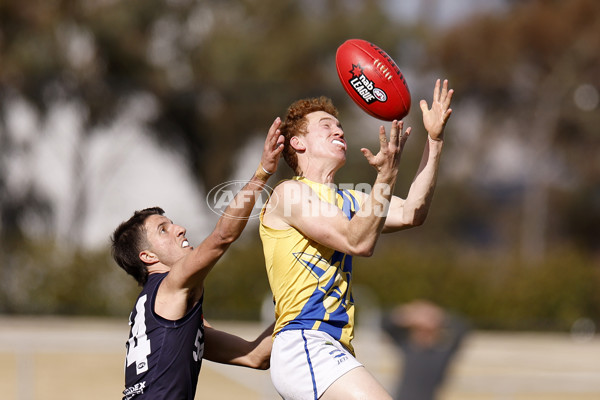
<point x="163" y="357"/>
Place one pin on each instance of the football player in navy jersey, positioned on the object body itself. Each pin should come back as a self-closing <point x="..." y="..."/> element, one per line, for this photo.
<point x="169" y="336"/>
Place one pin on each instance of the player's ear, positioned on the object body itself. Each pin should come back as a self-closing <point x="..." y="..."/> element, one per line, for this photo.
<point x="148" y="257"/>
<point x="297" y="143"/>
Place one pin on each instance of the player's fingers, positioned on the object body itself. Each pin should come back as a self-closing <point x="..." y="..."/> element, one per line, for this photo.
<point x="436" y="91"/>
<point x="444" y="92"/>
<point x="447" y="114"/>
<point x="404" y="137"/>
<point x="280" y="138"/>
<point x="382" y="137"/>
<point x="448" y="98"/>
<point x="273" y="129"/>
<point x="423" y="105"/>
<point x="278" y="143"/>
<point x="272" y="135"/>
<point x="368" y="154"/>
<point x="273" y="147"/>
<point x="395" y="131"/>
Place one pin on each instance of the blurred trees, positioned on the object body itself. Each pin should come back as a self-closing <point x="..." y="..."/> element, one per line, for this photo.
<point x="520" y="170"/>
<point x="214" y="72"/>
<point x="205" y="76"/>
<point x="219" y="70"/>
<point x="533" y="73"/>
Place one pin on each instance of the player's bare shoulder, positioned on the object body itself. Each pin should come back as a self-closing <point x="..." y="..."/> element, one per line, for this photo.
<point x="285" y="195"/>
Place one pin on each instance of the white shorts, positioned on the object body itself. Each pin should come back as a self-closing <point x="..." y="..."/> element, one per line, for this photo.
<point x="304" y="363"/>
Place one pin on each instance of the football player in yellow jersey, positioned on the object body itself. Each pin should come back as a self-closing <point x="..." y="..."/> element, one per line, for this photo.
<point x="310" y="231"/>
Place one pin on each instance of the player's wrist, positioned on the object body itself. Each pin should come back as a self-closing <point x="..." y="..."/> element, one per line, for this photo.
<point x="387" y="178"/>
<point x="439" y="139"/>
<point x="262" y="173"/>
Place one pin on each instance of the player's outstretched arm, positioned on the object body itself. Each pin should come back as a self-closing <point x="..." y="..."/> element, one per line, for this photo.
<point x="414" y="209"/>
<point x="191" y="272"/>
<point x="300" y="207"/>
<point x="234" y="218"/>
<point x="225" y="348"/>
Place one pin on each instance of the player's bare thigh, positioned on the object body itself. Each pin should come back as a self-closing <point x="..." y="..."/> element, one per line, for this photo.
<point x="356" y="384"/>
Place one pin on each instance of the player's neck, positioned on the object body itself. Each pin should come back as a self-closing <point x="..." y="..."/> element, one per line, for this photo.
<point x="158" y="268"/>
<point x="320" y="174"/>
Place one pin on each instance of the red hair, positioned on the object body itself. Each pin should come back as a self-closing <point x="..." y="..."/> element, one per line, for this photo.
<point x="295" y="123"/>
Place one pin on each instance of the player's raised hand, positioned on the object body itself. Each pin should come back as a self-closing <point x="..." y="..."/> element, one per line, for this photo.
<point x="273" y="148"/>
<point x="388" y="157"/>
<point x="435" y="119"/>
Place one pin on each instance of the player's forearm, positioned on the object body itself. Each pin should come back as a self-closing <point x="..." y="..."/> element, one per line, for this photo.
<point x="225" y="348"/>
<point x="367" y="224"/>
<point x="235" y="217"/>
<point x="420" y="194"/>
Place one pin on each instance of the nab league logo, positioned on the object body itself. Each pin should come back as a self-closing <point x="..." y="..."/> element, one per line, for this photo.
<point x="365" y="87"/>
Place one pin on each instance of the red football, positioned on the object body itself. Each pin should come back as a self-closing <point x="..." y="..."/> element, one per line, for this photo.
<point x="372" y="79"/>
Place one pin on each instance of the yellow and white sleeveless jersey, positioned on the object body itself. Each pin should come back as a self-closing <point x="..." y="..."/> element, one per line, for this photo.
<point x="311" y="283"/>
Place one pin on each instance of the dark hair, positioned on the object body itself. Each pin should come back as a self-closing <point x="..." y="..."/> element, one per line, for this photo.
<point x="295" y="123"/>
<point x="129" y="239"/>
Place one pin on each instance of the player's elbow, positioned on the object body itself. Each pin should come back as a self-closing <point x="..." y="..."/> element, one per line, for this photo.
<point x="365" y="253"/>
<point x="418" y="219"/>
<point x="363" y="249"/>
<point x="416" y="222"/>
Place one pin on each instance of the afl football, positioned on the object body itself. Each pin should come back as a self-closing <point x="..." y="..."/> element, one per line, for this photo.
<point x="373" y="80"/>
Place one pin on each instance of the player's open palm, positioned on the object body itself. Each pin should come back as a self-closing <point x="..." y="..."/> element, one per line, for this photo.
<point x="435" y="118"/>
<point x="388" y="157"/>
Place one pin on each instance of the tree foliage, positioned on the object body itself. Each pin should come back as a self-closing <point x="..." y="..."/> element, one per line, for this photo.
<point x="220" y="71"/>
<point x="217" y="72"/>
<point x="532" y="72"/>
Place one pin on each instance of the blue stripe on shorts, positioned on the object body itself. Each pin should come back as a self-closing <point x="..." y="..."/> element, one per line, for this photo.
<point x="312" y="373"/>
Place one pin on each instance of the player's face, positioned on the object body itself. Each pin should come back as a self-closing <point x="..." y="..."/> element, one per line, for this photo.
<point x="167" y="240"/>
<point x="325" y="135"/>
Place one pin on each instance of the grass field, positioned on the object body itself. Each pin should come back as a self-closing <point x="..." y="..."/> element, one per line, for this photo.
<point x="74" y="358"/>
